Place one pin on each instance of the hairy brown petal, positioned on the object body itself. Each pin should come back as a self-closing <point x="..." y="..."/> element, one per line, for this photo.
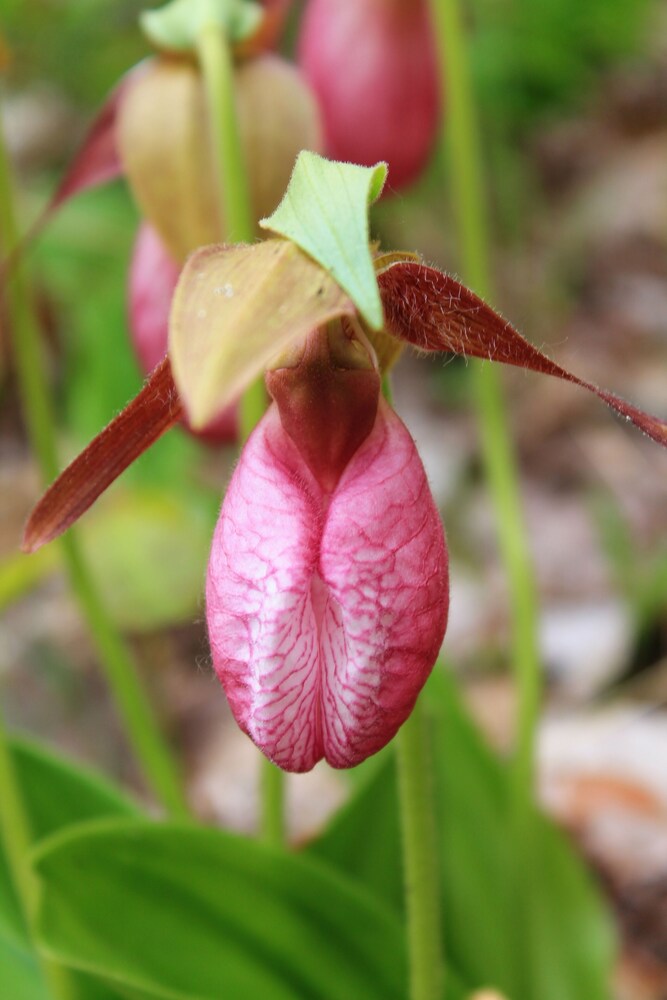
<point x="141" y="423"/>
<point x="433" y="312"/>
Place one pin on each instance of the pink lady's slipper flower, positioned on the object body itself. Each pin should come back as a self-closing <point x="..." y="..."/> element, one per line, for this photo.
<point x="373" y="66"/>
<point x="327" y="588"/>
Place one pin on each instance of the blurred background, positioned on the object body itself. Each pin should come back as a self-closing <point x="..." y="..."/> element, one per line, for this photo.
<point x="573" y="108"/>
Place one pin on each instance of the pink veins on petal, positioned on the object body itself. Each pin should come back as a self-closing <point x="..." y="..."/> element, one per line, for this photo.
<point x="326" y="611"/>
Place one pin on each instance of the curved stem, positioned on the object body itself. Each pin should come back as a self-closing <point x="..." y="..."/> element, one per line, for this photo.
<point x="469" y="199"/>
<point x="273" y="803"/>
<point x="115" y="659"/>
<point x="16" y="839"/>
<point x="216" y="64"/>
<point x="419" y="838"/>
<point x="468" y="196"/>
<point x="420" y="858"/>
<point x="215" y="59"/>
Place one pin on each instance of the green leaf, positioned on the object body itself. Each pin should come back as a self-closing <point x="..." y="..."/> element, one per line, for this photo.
<point x="200" y="914"/>
<point x="20" y="974"/>
<point x="176" y="26"/>
<point x="350" y="844"/>
<point x="55" y="793"/>
<point x="58" y="792"/>
<point x="567" y="951"/>
<point x="325" y="212"/>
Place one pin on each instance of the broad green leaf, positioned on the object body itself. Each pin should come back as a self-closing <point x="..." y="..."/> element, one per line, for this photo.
<point x="325" y="212"/>
<point x="565" y="953"/>
<point x="234" y="309"/>
<point x="56" y="793"/>
<point x="200" y="914"/>
<point x="20" y="975"/>
<point x="176" y="26"/>
<point x="349" y="844"/>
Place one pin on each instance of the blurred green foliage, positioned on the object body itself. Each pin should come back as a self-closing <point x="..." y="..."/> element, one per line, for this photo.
<point x="537" y="58"/>
<point x="82" y="45"/>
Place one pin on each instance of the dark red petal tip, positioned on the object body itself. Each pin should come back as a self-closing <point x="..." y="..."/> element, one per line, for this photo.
<point x="141" y="423"/>
<point x="433" y="312"/>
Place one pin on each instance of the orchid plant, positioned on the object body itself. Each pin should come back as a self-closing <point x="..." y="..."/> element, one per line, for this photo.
<point x="327" y="591"/>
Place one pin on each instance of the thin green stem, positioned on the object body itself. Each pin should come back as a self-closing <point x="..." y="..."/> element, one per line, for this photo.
<point x="420" y="858"/>
<point x="419" y="838"/>
<point x="469" y="198"/>
<point x="273" y="803"/>
<point x="115" y="659"/>
<point x="15" y="837"/>
<point x="215" y="60"/>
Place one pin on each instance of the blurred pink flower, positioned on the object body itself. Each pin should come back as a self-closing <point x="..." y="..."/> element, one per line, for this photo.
<point x="373" y="66"/>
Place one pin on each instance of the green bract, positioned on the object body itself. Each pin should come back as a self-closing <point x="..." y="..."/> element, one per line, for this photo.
<point x="325" y="212"/>
<point x="176" y="26"/>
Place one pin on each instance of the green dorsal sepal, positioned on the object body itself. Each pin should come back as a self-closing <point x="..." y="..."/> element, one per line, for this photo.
<point x="176" y="26"/>
<point x="325" y="212"/>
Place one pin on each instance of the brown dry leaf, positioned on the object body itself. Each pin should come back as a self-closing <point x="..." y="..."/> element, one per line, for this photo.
<point x="235" y="308"/>
<point x="433" y="312"/>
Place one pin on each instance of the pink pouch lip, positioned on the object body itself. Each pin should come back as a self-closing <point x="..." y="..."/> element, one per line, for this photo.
<point x="326" y="614"/>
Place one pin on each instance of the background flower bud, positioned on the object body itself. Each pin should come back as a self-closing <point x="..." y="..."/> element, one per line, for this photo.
<point x="166" y="152"/>
<point x="326" y="611"/>
<point x="373" y="66"/>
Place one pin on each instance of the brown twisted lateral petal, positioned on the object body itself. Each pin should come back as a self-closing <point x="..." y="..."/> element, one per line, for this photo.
<point x="433" y="312"/>
<point x="141" y="423"/>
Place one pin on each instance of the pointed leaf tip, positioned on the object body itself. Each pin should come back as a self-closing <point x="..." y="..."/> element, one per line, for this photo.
<point x="325" y="212"/>
<point x="237" y="307"/>
<point x="150" y="414"/>
<point x="433" y="312"/>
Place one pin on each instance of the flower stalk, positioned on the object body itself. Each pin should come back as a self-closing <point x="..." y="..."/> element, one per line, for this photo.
<point x="419" y="840"/>
<point x="215" y="60"/>
<point x="420" y="857"/>
<point x="468" y="196"/>
<point x="117" y="663"/>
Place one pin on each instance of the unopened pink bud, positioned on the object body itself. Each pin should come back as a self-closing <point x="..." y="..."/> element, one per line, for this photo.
<point x="326" y="610"/>
<point x="152" y="280"/>
<point x="373" y="66"/>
